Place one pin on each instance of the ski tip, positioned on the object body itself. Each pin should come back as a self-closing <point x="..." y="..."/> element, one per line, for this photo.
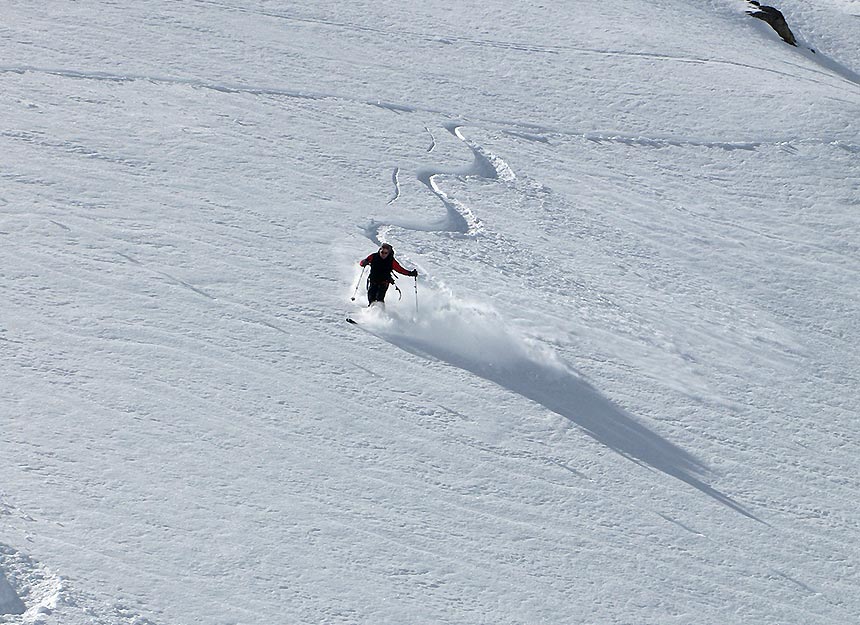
<point x="348" y="320"/>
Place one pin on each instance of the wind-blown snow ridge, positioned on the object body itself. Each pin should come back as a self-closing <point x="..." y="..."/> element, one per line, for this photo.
<point x="608" y="136"/>
<point x="10" y="602"/>
<point x="27" y="589"/>
<point x="530" y="47"/>
<point x="32" y="594"/>
<point x="199" y="84"/>
<point x="476" y="338"/>
<point x="833" y="66"/>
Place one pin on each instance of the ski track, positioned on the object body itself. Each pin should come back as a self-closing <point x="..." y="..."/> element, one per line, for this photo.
<point x="432" y="145"/>
<point x="395" y="179"/>
<point x="459" y="219"/>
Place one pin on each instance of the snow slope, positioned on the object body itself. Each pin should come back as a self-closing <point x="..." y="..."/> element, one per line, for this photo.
<point x="625" y="390"/>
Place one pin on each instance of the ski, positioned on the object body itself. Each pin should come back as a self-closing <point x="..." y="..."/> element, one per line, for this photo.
<point x="350" y="320"/>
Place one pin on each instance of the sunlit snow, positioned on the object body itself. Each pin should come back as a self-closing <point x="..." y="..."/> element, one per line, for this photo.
<point x="623" y="389"/>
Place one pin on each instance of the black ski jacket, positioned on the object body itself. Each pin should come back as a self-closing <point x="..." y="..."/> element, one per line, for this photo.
<point x="381" y="268"/>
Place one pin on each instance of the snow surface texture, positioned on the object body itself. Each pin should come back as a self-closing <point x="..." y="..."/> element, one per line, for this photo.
<point x="625" y="390"/>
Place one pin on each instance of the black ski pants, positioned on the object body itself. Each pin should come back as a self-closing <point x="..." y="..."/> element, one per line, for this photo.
<point x="376" y="292"/>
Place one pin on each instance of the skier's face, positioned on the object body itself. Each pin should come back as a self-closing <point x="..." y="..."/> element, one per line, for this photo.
<point x="383" y="251"/>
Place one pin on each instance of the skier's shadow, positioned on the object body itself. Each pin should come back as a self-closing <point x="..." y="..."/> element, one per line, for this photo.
<point x="568" y="395"/>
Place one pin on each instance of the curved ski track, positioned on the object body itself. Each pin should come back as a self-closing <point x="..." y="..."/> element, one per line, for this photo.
<point x="459" y="218"/>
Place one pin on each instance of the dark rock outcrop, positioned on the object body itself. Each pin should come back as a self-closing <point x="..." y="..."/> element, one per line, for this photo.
<point x="776" y="19"/>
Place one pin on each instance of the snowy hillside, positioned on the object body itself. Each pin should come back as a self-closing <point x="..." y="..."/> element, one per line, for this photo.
<point x="623" y="389"/>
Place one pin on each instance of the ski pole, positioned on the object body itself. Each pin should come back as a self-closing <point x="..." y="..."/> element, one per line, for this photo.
<point x="416" y="296"/>
<point x="357" y="284"/>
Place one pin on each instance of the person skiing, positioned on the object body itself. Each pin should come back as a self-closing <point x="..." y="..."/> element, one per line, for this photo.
<point x="382" y="263"/>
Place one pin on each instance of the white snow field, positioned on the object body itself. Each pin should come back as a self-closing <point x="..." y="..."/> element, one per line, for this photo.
<point x="623" y="390"/>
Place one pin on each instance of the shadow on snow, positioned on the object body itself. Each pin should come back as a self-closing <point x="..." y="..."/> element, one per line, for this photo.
<point x="560" y="390"/>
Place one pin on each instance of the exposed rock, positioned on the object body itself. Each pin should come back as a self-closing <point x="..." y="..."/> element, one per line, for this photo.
<point x="776" y="19"/>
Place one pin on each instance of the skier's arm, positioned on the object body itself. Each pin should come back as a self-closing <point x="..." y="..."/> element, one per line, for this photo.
<point x="399" y="269"/>
<point x="366" y="261"/>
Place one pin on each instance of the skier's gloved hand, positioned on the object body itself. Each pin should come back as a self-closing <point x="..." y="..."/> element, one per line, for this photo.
<point x="414" y="273"/>
<point x="362" y="262"/>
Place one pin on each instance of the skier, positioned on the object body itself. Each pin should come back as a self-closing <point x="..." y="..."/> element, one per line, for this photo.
<point x="382" y="263"/>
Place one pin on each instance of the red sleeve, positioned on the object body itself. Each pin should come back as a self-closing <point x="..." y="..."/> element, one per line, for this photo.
<point x="396" y="266"/>
<point x="366" y="261"/>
